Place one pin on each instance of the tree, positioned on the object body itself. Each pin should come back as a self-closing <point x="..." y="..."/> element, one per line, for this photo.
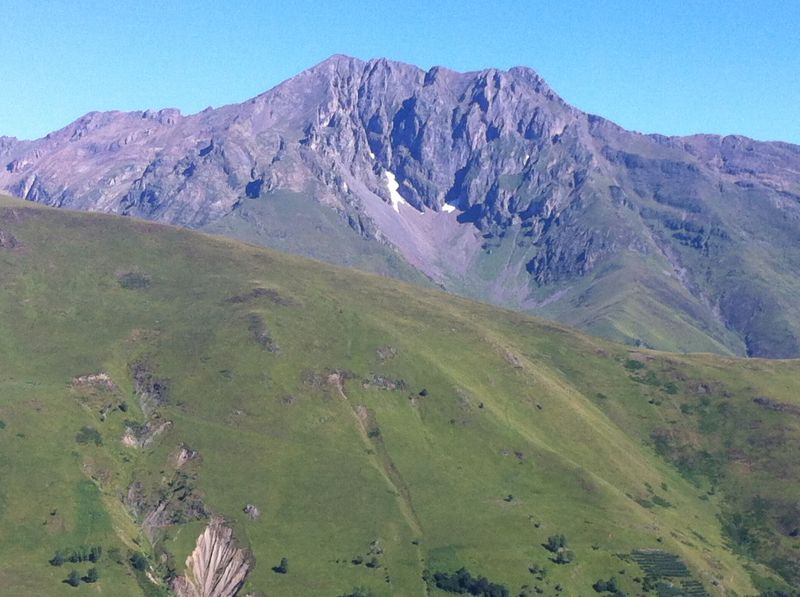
<point x="91" y="576"/>
<point x="57" y="559"/>
<point x="564" y="556"/>
<point x="555" y="542"/>
<point x="74" y="579"/>
<point x="283" y="567"/>
<point x="138" y="561"/>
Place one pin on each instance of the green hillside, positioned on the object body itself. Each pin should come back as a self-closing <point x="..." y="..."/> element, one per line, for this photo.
<point x="388" y="435"/>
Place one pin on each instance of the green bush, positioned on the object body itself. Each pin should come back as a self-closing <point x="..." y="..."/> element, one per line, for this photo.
<point x="134" y="280"/>
<point x="89" y="435"/>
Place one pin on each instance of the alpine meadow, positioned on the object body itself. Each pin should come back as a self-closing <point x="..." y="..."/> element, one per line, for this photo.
<point x="331" y="432"/>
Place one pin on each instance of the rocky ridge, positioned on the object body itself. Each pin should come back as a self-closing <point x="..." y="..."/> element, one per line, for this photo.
<point x="487" y="182"/>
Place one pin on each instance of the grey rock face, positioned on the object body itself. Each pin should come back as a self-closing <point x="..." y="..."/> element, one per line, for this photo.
<point x="217" y="567"/>
<point x="487" y="182"/>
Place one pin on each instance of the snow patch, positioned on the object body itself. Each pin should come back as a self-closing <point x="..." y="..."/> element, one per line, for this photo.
<point x="393" y="185"/>
<point x="447" y="208"/>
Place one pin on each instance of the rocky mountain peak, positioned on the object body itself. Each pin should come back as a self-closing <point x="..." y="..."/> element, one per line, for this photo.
<point x="448" y="171"/>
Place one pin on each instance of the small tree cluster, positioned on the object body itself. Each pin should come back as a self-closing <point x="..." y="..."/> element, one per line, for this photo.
<point x="80" y="554"/>
<point x="608" y="586"/>
<point x="74" y="578"/>
<point x="461" y="581"/>
<point x="92" y="575"/>
<point x="557" y="544"/>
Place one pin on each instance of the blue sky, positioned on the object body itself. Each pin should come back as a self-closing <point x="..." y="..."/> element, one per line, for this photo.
<point x="674" y="67"/>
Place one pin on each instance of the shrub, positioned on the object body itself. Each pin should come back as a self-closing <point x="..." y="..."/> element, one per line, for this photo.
<point x="633" y="365"/>
<point x="88" y="435"/>
<point x="671" y="387"/>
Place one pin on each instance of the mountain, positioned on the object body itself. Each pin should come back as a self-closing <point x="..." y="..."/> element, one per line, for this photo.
<point x="487" y="184"/>
<point x="162" y="389"/>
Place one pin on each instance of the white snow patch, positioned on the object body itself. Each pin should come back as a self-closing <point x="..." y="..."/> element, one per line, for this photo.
<point x="447" y="208"/>
<point x="392" y="185"/>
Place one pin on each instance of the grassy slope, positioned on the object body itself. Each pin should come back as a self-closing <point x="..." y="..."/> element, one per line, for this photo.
<point x="513" y="407"/>
<point x="298" y="224"/>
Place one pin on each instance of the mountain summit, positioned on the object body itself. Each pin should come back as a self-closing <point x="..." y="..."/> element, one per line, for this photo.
<point x="485" y="183"/>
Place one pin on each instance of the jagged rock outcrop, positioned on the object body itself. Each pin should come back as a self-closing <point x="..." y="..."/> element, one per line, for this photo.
<point x="487" y="182"/>
<point x="8" y="240"/>
<point x="217" y="567"/>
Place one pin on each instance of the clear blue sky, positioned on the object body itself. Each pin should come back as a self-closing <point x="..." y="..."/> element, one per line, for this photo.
<point x="674" y="67"/>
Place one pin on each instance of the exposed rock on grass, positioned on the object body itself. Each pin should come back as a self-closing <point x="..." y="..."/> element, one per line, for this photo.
<point x="252" y="511"/>
<point x="175" y="501"/>
<point x="385" y="353"/>
<point x="217" y="567"/>
<point x="150" y="390"/>
<point x="770" y="404"/>
<point x="512" y="359"/>
<point x="384" y="383"/>
<point x="257" y="293"/>
<point x="95" y="380"/>
<point x="184" y="455"/>
<point x="257" y="326"/>
<point x="133" y="280"/>
<point x="8" y="240"/>
<point x="143" y="436"/>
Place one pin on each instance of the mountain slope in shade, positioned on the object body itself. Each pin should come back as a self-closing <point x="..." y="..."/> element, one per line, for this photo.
<point x="372" y="433"/>
<point x="486" y="183"/>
